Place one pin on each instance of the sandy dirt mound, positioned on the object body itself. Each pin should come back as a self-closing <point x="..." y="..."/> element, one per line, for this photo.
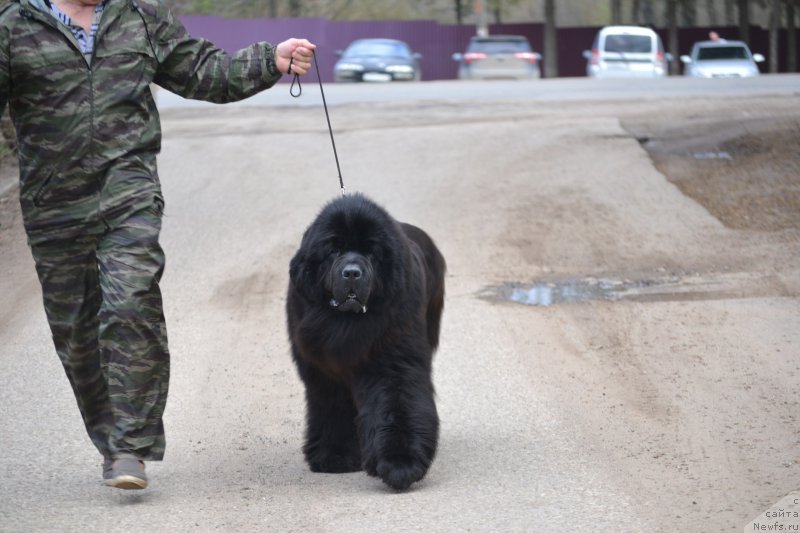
<point x="744" y="170"/>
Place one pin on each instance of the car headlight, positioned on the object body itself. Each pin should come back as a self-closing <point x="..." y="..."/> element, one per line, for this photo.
<point x="400" y="68"/>
<point x="350" y="66"/>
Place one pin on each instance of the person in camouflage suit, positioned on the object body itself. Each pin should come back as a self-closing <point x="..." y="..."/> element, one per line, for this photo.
<point x="76" y="76"/>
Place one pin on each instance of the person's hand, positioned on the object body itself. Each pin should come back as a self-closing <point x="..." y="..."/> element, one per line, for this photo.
<point x="296" y="51"/>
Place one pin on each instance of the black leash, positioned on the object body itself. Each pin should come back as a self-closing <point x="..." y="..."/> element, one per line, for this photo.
<point x="327" y="115"/>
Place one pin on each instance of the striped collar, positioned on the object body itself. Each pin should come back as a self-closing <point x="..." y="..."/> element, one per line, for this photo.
<point x="85" y="40"/>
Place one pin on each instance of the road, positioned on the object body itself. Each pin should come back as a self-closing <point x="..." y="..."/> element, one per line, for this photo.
<point x="658" y="392"/>
<point x="560" y="89"/>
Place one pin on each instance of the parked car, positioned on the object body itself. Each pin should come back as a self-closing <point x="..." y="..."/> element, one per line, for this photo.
<point x="377" y="60"/>
<point x="721" y="59"/>
<point x="627" y="52"/>
<point x="498" y="56"/>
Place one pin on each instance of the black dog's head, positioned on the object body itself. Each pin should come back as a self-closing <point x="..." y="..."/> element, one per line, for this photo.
<point x="348" y="256"/>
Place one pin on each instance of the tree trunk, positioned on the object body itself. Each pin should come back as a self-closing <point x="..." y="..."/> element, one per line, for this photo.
<point x="791" y="36"/>
<point x="730" y="18"/>
<point x="774" y="25"/>
<point x="648" y="13"/>
<point x="636" y="8"/>
<point x="459" y="12"/>
<point x="672" y="24"/>
<point x="688" y="13"/>
<point x="711" y="9"/>
<point x="744" y="20"/>
<point x="616" y="11"/>
<point x="550" y="40"/>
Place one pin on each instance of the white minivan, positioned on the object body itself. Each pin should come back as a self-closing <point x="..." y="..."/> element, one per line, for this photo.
<point x="627" y="52"/>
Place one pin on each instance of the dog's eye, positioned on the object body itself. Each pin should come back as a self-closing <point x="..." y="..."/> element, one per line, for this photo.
<point x="335" y="252"/>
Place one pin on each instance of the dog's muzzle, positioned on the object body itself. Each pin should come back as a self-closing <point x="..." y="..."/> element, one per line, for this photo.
<point x="350" y="283"/>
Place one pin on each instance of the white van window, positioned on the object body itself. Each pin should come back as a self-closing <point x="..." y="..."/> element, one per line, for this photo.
<point x="629" y="44"/>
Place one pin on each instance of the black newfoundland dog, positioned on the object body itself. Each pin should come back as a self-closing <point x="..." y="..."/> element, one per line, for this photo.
<point x="364" y="306"/>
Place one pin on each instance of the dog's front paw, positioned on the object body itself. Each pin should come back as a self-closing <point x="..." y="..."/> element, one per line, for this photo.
<point x="334" y="463"/>
<point x="400" y="471"/>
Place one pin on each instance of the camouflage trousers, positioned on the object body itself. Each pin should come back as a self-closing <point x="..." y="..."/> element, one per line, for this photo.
<point x="103" y="304"/>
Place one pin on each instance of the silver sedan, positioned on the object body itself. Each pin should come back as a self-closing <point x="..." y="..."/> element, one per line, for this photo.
<point x="721" y="59"/>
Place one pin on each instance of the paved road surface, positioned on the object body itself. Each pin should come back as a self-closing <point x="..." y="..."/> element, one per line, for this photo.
<point x="560" y="90"/>
<point x="666" y="412"/>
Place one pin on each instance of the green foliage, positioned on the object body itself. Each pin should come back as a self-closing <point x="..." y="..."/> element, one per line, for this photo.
<point x="205" y="7"/>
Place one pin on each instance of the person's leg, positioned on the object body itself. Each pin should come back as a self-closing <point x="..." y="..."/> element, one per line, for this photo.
<point x="67" y="271"/>
<point x="133" y="334"/>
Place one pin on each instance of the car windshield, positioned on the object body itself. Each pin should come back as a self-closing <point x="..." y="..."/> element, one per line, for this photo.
<point x="372" y="48"/>
<point x="629" y="44"/>
<point x="499" y="46"/>
<point x="714" y="53"/>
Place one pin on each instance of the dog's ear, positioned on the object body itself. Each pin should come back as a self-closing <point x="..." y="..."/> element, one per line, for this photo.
<point x="299" y="275"/>
<point x="296" y="267"/>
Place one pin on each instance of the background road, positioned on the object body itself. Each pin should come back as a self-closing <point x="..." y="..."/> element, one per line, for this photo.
<point x="670" y="406"/>
<point x="559" y="90"/>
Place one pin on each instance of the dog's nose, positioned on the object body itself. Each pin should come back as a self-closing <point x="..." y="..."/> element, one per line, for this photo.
<point x="352" y="271"/>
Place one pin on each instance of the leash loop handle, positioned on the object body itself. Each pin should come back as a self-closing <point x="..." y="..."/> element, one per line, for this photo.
<point x="296" y="80"/>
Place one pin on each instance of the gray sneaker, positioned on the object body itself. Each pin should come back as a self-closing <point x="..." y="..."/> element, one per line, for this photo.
<point x="124" y="473"/>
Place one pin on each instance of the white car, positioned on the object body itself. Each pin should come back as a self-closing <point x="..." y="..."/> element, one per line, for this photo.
<point x="627" y="52"/>
<point x="721" y="59"/>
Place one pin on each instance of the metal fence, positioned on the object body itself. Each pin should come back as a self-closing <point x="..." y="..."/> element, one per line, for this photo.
<point x="436" y="42"/>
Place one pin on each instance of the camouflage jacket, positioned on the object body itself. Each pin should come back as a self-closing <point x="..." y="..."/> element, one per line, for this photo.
<point x="88" y="131"/>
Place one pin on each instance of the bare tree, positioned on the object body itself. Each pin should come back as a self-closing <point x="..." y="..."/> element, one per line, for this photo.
<point x="672" y="24"/>
<point x="648" y="13"/>
<point x="711" y="9"/>
<point x="550" y="40"/>
<point x="744" y="20"/>
<point x="730" y="8"/>
<point x="498" y="7"/>
<point x="774" y="25"/>
<point x="636" y="8"/>
<point x="459" y="7"/>
<point x="616" y="11"/>
<point x="791" y="36"/>
<point x="688" y="13"/>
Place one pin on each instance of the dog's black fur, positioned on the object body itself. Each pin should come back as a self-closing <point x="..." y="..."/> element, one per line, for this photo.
<point x="364" y="307"/>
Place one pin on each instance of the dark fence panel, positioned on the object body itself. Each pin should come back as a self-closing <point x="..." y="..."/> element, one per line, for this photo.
<point x="436" y="42"/>
<point x="571" y="44"/>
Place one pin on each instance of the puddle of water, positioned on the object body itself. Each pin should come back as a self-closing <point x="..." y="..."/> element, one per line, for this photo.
<point x="551" y="293"/>
<point x="712" y="155"/>
<point x="667" y="288"/>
